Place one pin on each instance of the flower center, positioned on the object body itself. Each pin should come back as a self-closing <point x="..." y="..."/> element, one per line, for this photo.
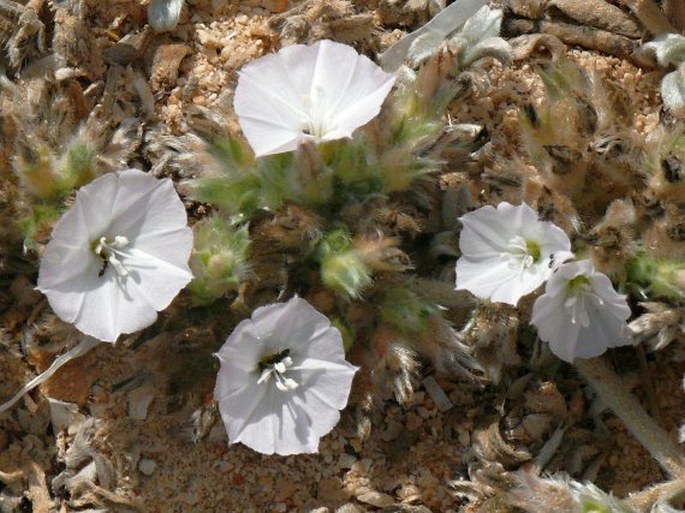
<point x="579" y="295"/>
<point x="314" y="122"/>
<point x="110" y="251"/>
<point x="276" y="366"/>
<point x="521" y="253"/>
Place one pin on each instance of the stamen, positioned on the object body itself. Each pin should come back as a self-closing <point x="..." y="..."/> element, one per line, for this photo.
<point x="109" y="251"/>
<point x="276" y="366"/>
<point x="581" y="294"/>
<point x="118" y="266"/>
<point x="314" y="122"/>
<point x="521" y="254"/>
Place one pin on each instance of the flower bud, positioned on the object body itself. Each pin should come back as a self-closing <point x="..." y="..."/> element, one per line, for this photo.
<point x="342" y="266"/>
<point x="219" y="262"/>
<point x="37" y="174"/>
<point x="656" y="277"/>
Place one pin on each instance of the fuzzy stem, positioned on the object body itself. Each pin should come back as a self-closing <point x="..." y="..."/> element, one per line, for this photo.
<point x="85" y="345"/>
<point x="646" y="499"/>
<point x="611" y="389"/>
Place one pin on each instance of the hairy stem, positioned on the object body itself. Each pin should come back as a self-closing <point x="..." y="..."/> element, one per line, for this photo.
<point x="85" y="345"/>
<point x="611" y="389"/>
<point x="646" y="499"/>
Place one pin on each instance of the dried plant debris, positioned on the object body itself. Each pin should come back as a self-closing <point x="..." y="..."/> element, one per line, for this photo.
<point x="311" y="20"/>
<point x="461" y="385"/>
<point x="22" y="30"/>
<point x="599" y="25"/>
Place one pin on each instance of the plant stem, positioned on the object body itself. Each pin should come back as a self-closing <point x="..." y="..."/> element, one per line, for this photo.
<point x="644" y="500"/>
<point x="85" y="344"/>
<point x="611" y="389"/>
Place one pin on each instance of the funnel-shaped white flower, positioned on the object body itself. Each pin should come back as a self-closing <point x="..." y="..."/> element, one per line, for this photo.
<point x="321" y="92"/>
<point x="580" y="314"/>
<point x="507" y="252"/>
<point x="282" y="380"/>
<point x="118" y="255"/>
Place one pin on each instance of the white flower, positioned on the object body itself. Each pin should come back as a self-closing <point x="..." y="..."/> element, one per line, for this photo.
<point x="283" y="378"/>
<point x="321" y="92"/>
<point x="118" y="255"/>
<point x="580" y="314"/>
<point x="507" y="252"/>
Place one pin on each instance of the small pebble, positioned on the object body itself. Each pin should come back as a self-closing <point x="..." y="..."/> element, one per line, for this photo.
<point x="147" y="466"/>
<point x="377" y="499"/>
<point x="346" y="460"/>
<point x="436" y="393"/>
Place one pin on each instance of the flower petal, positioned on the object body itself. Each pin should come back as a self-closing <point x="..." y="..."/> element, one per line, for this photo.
<point x="329" y="381"/>
<point x="327" y="86"/>
<point x="606" y="310"/>
<point x="495" y="280"/>
<point x="148" y="215"/>
<point x="282" y="420"/>
<point x="350" y="99"/>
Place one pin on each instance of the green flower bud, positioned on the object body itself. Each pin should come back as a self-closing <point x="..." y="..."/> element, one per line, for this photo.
<point x="219" y="261"/>
<point x="342" y="266"/>
<point x="656" y="277"/>
<point x="405" y="310"/>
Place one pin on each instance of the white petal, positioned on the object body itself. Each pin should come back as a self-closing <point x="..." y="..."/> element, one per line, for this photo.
<point x="354" y="87"/>
<point x="138" y="208"/>
<point x="242" y="416"/>
<point x="243" y="348"/>
<point x="291" y="420"/>
<point x="483" y="234"/>
<point x="270" y="99"/>
<point x="554" y="240"/>
<point x="90" y="214"/>
<point x="145" y="206"/>
<point x="495" y="280"/>
<point x="566" y="342"/>
<point x="327" y="83"/>
<point x="329" y="381"/>
<point x="53" y="272"/>
<point x="303" y="326"/>
<point x="553" y="324"/>
<point x="101" y="308"/>
<point x="155" y="279"/>
<point x="519" y="218"/>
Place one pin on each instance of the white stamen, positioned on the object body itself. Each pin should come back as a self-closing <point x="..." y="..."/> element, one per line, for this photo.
<point x="120" y="242"/>
<point x="277" y="370"/>
<point x="578" y="304"/>
<point x="314" y="122"/>
<point x="118" y="266"/>
<point x="109" y="251"/>
<point x="518" y="254"/>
